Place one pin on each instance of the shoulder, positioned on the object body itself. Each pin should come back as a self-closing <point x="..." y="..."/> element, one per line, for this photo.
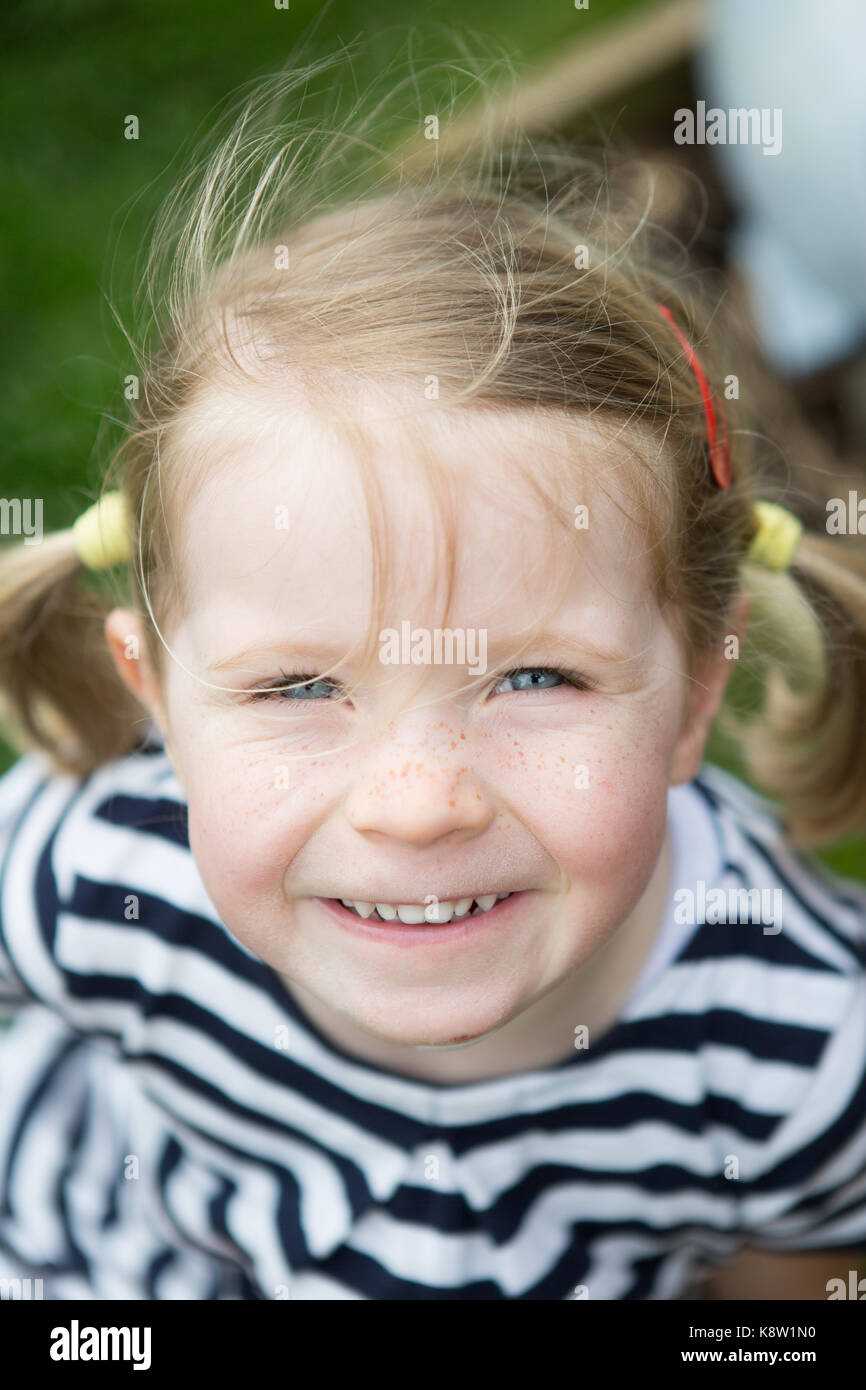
<point x="97" y="879"/>
<point x="807" y="914"/>
<point x="54" y="826"/>
<point x="769" y="970"/>
<point x="774" y="974"/>
<point x="771" y="947"/>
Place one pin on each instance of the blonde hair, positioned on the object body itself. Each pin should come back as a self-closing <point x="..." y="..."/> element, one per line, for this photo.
<point x="465" y="272"/>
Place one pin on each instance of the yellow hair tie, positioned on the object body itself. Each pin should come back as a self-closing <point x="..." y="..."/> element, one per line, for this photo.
<point x="777" y="537"/>
<point x="102" y="534"/>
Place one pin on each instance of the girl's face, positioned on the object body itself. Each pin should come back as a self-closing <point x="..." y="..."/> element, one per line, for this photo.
<point x="416" y="790"/>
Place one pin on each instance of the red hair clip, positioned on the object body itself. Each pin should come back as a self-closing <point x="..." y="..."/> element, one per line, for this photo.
<point x="720" y="453"/>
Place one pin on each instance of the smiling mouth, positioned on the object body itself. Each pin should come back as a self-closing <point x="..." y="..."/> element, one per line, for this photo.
<point x="434" y="913"/>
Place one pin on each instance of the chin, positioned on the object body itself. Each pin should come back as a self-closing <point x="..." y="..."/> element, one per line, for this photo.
<point x="465" y="1041"/>
<point x="426" y="1034"/>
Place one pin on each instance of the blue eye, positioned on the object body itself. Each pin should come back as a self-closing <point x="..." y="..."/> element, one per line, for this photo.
<point x="297" y="687"/>
<point x="550" y="677"/>
<point x="303" y="687"/>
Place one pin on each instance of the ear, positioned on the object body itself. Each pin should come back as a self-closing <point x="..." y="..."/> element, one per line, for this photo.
<point x="124" y="631"/>
<point x="705" y="692"/>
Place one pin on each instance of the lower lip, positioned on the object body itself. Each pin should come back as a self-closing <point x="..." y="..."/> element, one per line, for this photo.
<point x="399" y="933"/>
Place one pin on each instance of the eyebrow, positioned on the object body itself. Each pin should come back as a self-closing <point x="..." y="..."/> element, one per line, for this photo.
<point x="575" y="644"/>
<point x="325" y="654"/>
<point x="331" y="654"/>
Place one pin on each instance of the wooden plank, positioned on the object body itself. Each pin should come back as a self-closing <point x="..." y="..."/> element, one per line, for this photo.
<point x="613" y="57"/>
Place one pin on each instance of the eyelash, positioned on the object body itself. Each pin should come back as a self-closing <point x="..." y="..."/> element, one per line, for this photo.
<point x="575" y="679"/>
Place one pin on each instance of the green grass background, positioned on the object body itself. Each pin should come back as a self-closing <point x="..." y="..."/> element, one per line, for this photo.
<point x="71" y="186"/>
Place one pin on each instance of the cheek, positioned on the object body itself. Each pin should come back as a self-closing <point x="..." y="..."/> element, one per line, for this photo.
<point x="249" y="816"/>
<point x="596" y="799"/>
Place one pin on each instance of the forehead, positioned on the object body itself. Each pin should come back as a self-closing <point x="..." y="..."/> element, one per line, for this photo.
<point x="276" y="515"/>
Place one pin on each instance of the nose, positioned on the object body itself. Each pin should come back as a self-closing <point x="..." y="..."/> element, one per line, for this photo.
<point x="418" y="796"/>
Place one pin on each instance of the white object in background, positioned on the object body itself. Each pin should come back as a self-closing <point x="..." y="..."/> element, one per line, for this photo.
<point x="801" y="239"/>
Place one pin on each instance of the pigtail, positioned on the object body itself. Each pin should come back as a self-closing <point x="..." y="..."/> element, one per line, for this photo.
<point x="806" y="745"/>
<point x="59" y="688"/>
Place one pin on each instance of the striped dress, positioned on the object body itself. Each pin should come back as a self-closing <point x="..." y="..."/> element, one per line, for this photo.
<point x="172" y="1126"/>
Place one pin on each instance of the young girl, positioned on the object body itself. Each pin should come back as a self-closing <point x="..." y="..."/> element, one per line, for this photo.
<point x="371" y="922"/>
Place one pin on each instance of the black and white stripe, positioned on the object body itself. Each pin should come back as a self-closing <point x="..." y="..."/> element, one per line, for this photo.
<point x="156" y="1143"/>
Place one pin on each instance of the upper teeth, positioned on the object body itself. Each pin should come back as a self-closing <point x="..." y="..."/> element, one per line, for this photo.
<point x="424" y="912"/>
